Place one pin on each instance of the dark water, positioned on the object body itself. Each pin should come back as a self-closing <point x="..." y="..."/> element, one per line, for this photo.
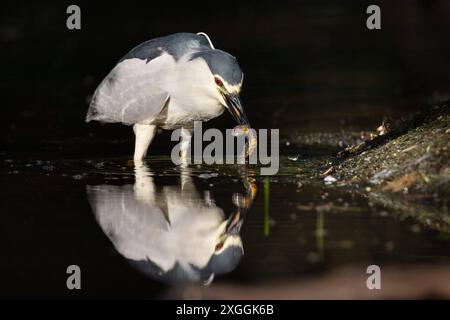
<point x="135" y="229"/>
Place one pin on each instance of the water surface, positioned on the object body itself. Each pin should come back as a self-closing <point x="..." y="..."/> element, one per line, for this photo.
<point x="136" y="229"/>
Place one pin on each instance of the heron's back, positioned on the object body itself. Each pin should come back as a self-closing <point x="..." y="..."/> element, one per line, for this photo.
<point x="149" y="78"/>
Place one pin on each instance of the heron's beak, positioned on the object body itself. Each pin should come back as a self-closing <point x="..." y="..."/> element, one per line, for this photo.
<point x="235" y="107"/>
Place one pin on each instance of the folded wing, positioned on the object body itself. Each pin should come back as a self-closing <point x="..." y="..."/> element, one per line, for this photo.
<point x="133" y="92"/>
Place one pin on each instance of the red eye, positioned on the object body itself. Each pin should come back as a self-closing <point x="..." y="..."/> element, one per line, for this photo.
<point x="218" y="81"/>
<point x="219" y="246"/>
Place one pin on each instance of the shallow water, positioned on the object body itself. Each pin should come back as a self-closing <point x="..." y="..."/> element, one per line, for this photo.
<point x="135" y="229"/>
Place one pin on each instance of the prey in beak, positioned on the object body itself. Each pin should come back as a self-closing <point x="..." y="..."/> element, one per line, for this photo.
<point x="230" y="99"/>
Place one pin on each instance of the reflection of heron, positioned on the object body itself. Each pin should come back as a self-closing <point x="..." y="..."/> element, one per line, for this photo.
<point x="171" y="234"/>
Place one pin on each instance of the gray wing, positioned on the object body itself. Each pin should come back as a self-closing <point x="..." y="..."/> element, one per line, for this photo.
<point x="134" y="91"/>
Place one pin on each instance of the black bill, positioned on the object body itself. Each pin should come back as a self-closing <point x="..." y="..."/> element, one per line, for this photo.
<point x="236" y="109"/>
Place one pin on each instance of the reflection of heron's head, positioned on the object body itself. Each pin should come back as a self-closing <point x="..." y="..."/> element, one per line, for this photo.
<point x="221" y="262"/>
<point x="224" y="256"/>
<point x="227" y="258"/>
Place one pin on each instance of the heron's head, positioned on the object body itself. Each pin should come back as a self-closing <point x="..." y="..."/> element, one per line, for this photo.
<point x="227" y="77"/>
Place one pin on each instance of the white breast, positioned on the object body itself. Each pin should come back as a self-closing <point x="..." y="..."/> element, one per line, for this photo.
<point x="193" y="94"/>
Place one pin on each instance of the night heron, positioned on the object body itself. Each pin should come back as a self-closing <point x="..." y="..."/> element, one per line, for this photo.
<point x="169" y="83"/>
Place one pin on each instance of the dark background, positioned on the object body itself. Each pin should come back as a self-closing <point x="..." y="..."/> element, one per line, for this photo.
<point x="310" y="66"/>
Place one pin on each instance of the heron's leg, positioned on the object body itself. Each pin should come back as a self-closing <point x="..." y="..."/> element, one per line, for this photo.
<point x="144" y="136"/>
<point x="185" y="177"/>
<point x="186" y="135"/>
